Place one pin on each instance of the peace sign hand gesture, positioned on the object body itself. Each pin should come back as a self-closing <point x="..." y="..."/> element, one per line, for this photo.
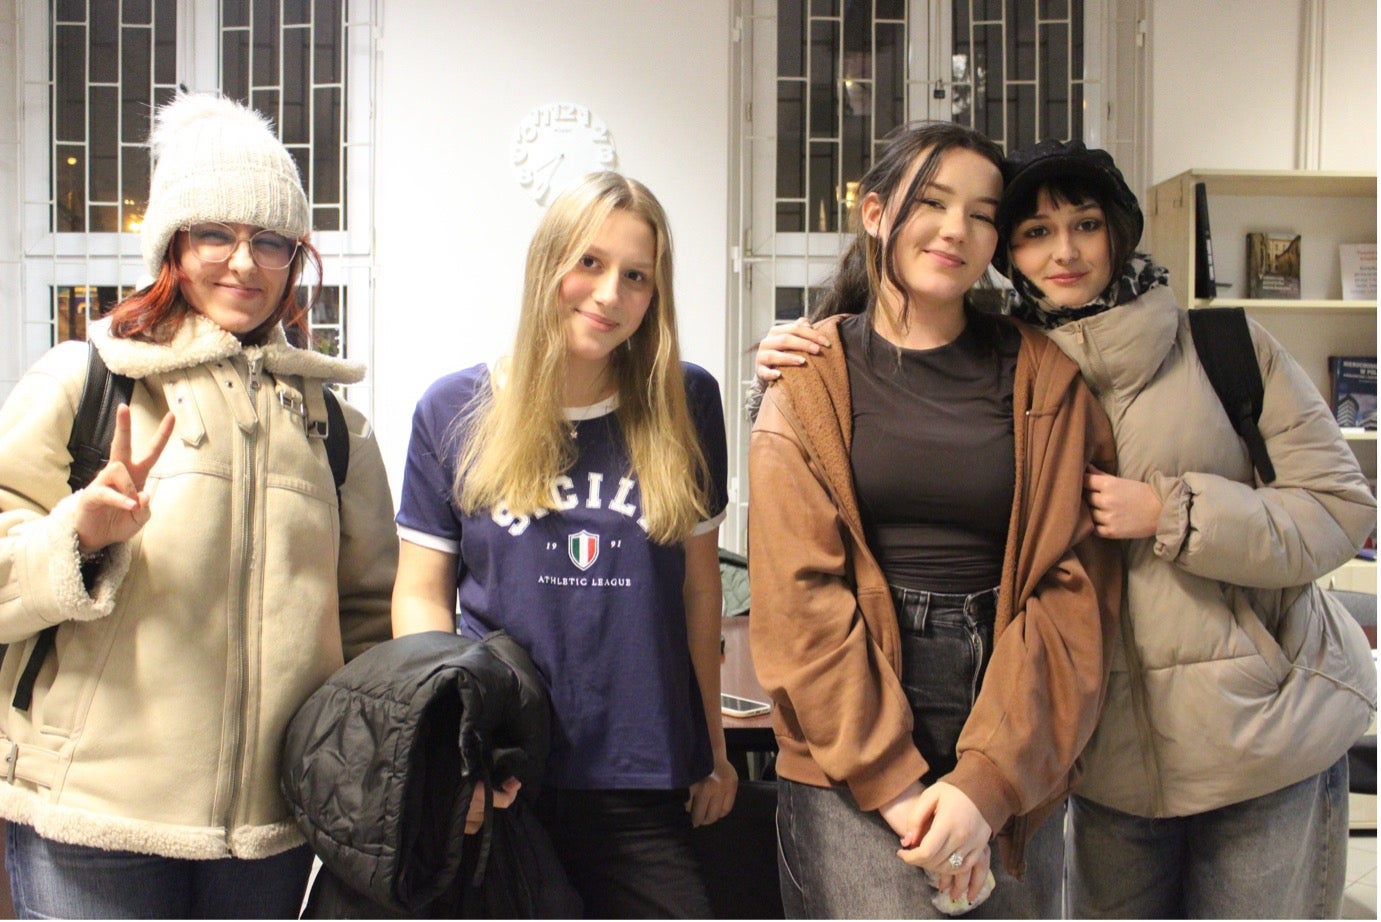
<point x="113" y="507"/>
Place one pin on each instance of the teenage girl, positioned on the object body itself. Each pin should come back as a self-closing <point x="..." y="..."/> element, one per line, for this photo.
<point x="571" y="496"/>
<point x="930" y="606"/>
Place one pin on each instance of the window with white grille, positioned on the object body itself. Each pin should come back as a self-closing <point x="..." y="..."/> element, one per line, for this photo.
<point x="86" y="171"/>
<point x="823" y="82"/>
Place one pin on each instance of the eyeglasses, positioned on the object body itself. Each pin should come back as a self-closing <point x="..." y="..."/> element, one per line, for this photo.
<point x="214" y="242"/>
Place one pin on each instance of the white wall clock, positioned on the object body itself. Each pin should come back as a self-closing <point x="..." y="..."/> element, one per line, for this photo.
<point x="555" y="145"/>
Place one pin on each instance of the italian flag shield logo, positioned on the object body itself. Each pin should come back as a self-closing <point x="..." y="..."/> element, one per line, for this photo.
<point x="583" y="548"/>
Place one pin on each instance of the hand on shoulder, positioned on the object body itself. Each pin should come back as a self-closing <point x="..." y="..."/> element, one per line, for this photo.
<point x="786" y="345"/>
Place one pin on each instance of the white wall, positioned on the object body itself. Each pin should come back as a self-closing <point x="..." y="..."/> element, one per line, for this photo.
<point x="452" y="225"/>
<point x="1226" y="79"/>
<point x="11" y="278"/>
<point x="1349" y="86"/>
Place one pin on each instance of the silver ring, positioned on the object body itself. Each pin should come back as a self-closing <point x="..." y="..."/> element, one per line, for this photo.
<point x="956" y="861"/>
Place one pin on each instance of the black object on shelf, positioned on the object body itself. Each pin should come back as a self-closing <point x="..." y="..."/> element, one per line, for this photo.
<point x="1204" y="283"/>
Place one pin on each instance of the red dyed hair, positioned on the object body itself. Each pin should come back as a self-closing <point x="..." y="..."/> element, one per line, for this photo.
<point x="153" y="314"/>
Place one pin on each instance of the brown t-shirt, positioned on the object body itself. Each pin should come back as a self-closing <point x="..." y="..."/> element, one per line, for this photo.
<point x="933" y="455"/>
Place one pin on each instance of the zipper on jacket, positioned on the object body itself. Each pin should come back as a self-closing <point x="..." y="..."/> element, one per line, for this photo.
<point x="1101" y="381"/>
<point x="238" y="618"/>
<point x="1098" y="378"/>
<point x="255" y="363"/>
<point x="1141" y="711"/>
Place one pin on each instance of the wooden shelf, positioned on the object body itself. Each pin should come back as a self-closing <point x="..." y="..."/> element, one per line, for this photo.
<point x="1283" y="182"/>
<point x="1297" y="304"/>
<point x="1326" y="209"/>
<point x="1251" y="200"/>
<point x="1357" y="575"/>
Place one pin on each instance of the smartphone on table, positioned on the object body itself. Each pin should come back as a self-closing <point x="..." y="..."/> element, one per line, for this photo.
<point x="735" y="706"/>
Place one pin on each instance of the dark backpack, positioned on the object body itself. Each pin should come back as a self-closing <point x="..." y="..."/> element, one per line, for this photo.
<point x="89" y="445"/>
<point x="1224" y="345"/>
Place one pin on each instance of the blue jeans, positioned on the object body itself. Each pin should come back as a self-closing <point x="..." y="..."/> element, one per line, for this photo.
<point x="1279" y="856"/>
<point x="946" y="642"/>
<point x="628" y="853"/>
<point x="836" y="861"/>
<point x="54" y="880"/>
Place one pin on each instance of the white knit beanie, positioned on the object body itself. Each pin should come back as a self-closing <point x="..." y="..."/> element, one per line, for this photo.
<point x="216" y="160"/>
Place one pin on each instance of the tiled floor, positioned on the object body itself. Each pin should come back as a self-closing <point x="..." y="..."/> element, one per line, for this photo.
<point x="1359" y="899"/>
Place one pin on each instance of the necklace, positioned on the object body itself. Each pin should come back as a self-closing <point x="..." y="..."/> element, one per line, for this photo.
<point x="592" y="411"/>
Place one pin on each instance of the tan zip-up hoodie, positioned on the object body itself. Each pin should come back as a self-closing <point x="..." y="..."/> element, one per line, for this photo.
<point x="824" y="632"/>
<point x="156" y="724"/>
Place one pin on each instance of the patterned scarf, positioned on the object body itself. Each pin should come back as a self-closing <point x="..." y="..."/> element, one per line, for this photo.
<point x="1139" y="276"/>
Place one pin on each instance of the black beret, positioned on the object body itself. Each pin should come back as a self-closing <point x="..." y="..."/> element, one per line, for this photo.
<point x="1031" y="167"/>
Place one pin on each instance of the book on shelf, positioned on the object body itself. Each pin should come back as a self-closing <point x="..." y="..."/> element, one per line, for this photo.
<point x="1272" y="265"/>
<point x="1358" y="264"/>
<point x="1353" y="382"/>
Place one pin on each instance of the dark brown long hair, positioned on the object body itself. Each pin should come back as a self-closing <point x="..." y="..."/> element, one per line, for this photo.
<point x="154" y="313"/>
<point x="858" y="277"/>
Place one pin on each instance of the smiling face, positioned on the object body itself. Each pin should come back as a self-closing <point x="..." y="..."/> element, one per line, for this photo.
<point x="1064" y="250"/>
<point x="238" y="294"/>
<point x="949" y="233"/>
<point x="606" y="296"/>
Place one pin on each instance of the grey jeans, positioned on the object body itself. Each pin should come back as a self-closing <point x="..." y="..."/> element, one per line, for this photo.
<point x="835" y="861"/>
<point x="1279" y="856"/>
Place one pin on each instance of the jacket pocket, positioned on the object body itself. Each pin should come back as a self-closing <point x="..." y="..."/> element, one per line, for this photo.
<point x="1322" y="639"/>
<point x="1323" y="697"/>
<point x="68" y="678"/>
<point x="1275" y="664"/>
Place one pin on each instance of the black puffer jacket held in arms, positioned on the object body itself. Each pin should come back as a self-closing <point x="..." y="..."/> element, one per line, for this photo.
<point x="379" y="766"/>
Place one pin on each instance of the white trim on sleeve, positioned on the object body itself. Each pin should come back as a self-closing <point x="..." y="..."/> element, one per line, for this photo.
<point x="422" y="539"/>
<point x="709" y="524"/>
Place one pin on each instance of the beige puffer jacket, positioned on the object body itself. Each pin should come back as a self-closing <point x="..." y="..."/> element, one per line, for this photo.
<point x="156" y="724"/>
<point x="1235" y="676"/>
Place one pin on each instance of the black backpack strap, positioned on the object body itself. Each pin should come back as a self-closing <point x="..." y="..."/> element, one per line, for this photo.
<point x="1224" y="345"/>
<point x="337" y="440"/>
<point x="89" y="445"/>
<point x="94" y="425"/>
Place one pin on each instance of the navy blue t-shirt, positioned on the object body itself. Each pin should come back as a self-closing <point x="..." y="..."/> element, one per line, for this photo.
<point x="593" y="600"/>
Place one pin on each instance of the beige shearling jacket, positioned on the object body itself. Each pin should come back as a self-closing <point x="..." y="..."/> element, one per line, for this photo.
<point x="1235" y="675"/>
<point x="824" y="634"/>
<point x="156" y="724"/>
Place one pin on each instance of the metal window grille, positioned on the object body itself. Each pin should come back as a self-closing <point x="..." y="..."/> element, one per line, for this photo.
<point x="822" y="82"/>
<point x="846" y="75"/>
<point x="326" y="322"/>
<point x="111" y="65"/>
<point x="287" y="60"/>
<point x="74" y="305"/>
<point x="1017" y="69"/>
<point x="841" y="87"/>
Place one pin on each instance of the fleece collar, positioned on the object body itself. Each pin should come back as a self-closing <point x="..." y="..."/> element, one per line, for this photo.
<point x="200" y="340"/>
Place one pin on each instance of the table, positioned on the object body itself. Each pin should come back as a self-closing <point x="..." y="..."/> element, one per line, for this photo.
<point x="750" y="738"/>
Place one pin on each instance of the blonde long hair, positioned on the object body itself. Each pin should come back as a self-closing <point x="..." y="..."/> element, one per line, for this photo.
<point x="518" y="440"/>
